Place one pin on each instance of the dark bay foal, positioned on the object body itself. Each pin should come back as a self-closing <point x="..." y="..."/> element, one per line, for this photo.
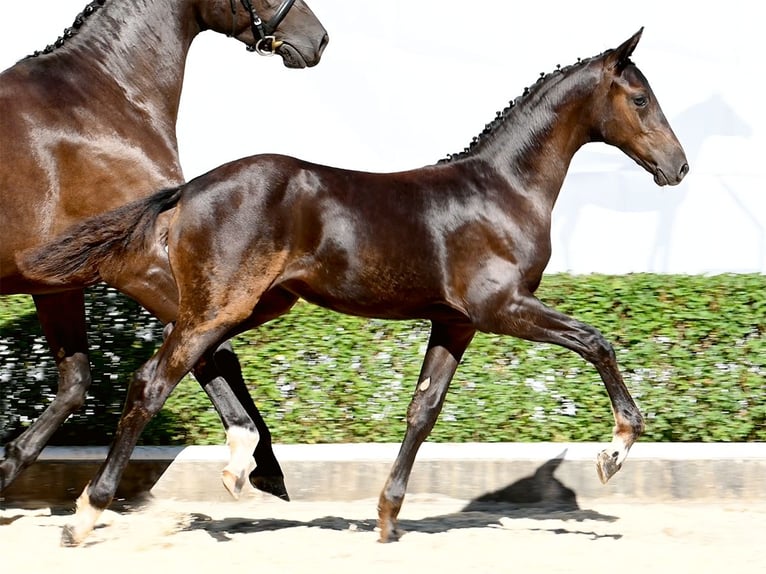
<point x="462" y="243"/>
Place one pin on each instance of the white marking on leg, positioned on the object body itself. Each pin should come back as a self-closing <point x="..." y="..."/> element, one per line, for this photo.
<point x="425" y="384"/>
<point x="84" y="519"/>
<point x="619" y="447"/>
<point x="242" y="443"/>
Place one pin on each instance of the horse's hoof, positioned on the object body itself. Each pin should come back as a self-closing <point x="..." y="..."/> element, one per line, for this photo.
<point x="271" y="485"/>
<point x="68" y="537"/>
<point x="606" y="465"/>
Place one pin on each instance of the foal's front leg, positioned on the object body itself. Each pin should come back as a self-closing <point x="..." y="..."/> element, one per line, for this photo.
<point x="527" y="318"/>
<point x="445" y="348"/>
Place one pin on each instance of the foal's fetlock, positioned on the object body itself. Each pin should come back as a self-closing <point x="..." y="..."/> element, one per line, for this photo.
<point x="83" y="521"/>
<point x="242" y="443"/>
<point x="388" y="513"/>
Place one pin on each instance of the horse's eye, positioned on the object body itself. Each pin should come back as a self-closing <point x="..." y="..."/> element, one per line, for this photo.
<point x="640" y="101"/>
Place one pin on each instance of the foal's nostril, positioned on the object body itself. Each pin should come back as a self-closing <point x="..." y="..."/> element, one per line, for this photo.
<point x="684" y="170"/>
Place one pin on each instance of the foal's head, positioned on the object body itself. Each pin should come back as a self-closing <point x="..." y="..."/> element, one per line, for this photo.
<point x="627" y="115"/>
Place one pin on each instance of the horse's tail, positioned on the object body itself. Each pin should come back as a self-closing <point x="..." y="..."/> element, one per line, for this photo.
<point x="80" y="255"/>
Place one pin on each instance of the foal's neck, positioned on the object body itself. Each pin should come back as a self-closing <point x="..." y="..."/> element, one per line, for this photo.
<point x="535" y="144"/>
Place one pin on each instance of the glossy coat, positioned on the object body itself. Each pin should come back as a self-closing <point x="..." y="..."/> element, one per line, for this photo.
<point x="88" y="125"/>
<point x="462" y="243"/>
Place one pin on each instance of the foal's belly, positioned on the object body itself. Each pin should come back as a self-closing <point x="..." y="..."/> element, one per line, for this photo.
<point x="379" y="301"/>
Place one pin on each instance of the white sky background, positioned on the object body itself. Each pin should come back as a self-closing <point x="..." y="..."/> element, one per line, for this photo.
<point x="405" y="82"/>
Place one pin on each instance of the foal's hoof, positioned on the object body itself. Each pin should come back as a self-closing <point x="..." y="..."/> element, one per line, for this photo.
<point x="68" y="537"/>
<point x="389" y="532"/>
<point x="606" y="465"/>
<point x="271" y="485"/>
<point x="392" y="535"/>
<point x="233" y="483"/>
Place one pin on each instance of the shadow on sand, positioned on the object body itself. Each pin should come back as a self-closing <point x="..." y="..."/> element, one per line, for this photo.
<point x="537" y="497"/>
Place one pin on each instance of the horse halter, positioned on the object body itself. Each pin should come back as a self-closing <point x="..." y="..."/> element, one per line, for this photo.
<point x="263" y="32"/>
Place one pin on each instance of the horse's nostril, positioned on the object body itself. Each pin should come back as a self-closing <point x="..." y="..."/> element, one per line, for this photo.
<point x="684" y="170"/>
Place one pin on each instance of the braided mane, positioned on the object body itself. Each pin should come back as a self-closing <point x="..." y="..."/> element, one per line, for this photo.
<point x="88" y="11"/>
<point x="506" y="112"/>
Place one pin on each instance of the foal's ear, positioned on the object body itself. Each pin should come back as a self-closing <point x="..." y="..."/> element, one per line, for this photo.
<point x="619" y="58"/>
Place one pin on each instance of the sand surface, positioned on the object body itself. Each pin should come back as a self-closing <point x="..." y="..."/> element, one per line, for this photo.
<point x="443" y="535"/>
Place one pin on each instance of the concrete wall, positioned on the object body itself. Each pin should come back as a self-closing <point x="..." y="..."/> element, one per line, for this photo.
<point x="510" y="472"/>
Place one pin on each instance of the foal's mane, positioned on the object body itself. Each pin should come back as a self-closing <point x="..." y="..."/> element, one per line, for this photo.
<point x="508" y="111"/>
<point x="88" y="11"/>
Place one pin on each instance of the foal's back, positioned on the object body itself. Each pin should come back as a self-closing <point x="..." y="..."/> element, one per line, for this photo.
<point x="395" y="245"/>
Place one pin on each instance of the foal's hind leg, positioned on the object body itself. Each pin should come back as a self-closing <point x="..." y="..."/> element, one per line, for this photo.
<point x="148" y="391"/>
<point x="526" y="317"/>
<point x="62" y="317"/>
<point x="445" y="348"/>
<point x="220" y="377"/>
<point x="241" y="431"/>
<point x="267" y="475"/>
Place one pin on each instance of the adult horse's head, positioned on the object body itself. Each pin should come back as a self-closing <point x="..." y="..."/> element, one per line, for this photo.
<point x="630" y="117"/>
<point x="287" y="28"/>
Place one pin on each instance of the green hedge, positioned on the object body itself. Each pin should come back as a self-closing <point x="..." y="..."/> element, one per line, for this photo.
<point x="692" y="350"/>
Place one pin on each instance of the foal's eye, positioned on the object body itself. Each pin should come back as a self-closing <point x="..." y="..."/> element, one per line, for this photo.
<point x="640" y="101"/>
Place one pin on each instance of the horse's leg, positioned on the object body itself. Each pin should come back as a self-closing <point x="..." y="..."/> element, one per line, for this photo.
<point x="445" y="349"/>
<point x="241" y="431"/>
<point x="220" y="375"/>
<point x="526" y="317"/>
<point x="221" y="378"/>
<point x="267" y="475"/>
<point x="62" y="316"/>
<point x="150" y="387"/>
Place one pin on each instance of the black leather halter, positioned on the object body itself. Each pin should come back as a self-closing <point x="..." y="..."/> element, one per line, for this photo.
<point x="265" y="42"/>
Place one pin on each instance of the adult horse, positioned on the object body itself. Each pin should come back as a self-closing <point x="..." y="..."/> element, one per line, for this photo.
<point x="88" y="124"/>
<point x="462" y="243"/>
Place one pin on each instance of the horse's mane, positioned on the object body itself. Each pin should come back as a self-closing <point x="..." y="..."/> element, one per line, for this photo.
<point x="502" y="115"/>
<point x="88" y="11"/>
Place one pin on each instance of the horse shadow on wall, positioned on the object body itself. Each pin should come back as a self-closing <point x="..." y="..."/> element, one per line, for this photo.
<point x="624" y="189"/>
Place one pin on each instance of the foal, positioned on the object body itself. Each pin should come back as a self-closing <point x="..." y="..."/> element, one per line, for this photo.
<point x="462" y="243"/>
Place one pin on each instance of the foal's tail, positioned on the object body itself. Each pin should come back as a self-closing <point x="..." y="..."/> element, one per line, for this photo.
<point x="79" y="256"/>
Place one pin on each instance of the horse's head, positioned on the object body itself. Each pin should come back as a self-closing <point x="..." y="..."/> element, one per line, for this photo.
<point x="627" y="115"/>
<point x="287" y="28"/>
